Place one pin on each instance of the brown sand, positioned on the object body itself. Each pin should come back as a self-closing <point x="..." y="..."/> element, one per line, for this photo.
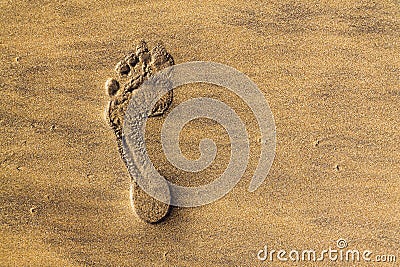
<point x="329" y="70"/>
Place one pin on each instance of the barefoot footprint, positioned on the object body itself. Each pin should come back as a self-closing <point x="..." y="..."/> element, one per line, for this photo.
<point x="132" y="71"/>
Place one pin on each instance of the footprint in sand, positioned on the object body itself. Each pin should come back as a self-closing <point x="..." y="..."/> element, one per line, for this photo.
<point x="132" y="71"/>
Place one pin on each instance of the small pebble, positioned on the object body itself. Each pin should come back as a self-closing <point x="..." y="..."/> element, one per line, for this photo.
<point x="32" y="210"/>
<point x="165" y="255"/>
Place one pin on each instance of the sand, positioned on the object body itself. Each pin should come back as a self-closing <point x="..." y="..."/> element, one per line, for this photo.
<point x="328" y="69"/>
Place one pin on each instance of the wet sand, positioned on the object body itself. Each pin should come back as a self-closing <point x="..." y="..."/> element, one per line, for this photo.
<point x="329" y="71"/>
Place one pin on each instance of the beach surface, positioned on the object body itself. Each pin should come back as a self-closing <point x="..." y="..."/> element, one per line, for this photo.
<point x="328" y="69"/>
